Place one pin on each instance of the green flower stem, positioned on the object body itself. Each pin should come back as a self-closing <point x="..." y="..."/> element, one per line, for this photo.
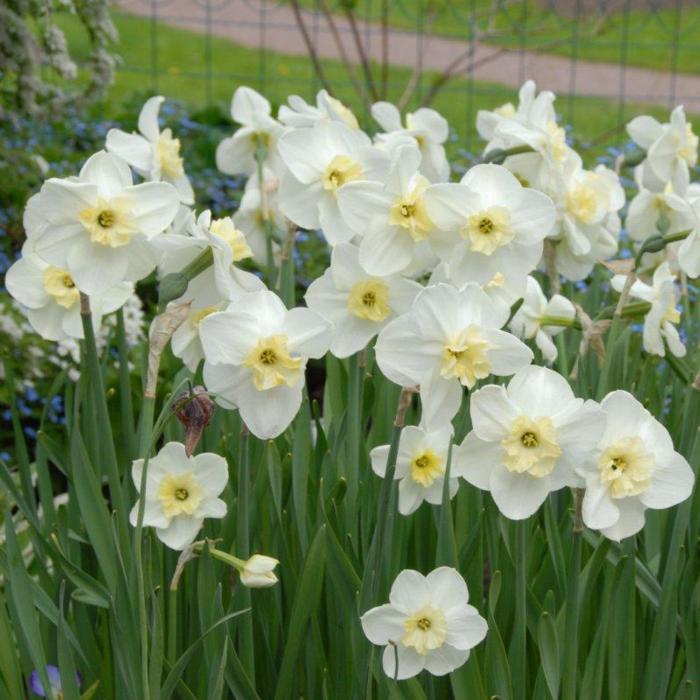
<point x="126" y="405"/>
<point x="518" y="660"/>
<point x="654" y="244"/>
<point x="354" y="438"/>
<point x="174" y="285"/>
<point x="571" y="615"/>
<point x="171" y="653"/>
<point x="286" y="287"/>
<point x="225" y="557"/>
<point x="109" y="455"/>
<point x="245" y="626"/>
<point x="498" y="155"/>
<point x="203" y="261"/>
<point x="115" y="488"/>
<point x="371" y="575"/>
<point x="560" y="321"/>
<point x="268" y="225"/>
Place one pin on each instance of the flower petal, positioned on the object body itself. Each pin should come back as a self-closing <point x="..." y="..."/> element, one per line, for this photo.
<point x="382" y="624"/>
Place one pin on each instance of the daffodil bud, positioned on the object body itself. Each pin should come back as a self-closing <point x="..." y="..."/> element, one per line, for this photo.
<point x="258" y="572"/>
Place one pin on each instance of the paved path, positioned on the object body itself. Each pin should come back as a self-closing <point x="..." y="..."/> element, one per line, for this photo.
<point x="256" y="23"/>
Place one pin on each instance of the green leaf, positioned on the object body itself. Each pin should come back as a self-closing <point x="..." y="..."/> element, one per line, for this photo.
<point x="178" y="668"/>
<point x="93" y="511"/>
<point x="548" y="644"/>
<point x="306" y="598"/>
<point x="496" y="668"/>
<point x="20" y="598"/>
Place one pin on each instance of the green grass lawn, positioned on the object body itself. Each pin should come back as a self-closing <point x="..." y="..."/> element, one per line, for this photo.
<point x="665" y="39"/>
<point x="178" y="68"/>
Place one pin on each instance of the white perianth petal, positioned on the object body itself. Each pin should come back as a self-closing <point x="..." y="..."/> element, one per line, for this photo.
<point x="148" y="118"/>
<point x="474" y="459"/>
<point x="135" y="149"/>
<point x="154" y="206"/>
<point x="518" y="496"/>
<point x="493" y="412"/>
<point x="109" y="173"/>
<point x="212" y="472"/>
<point x="410" y="662"/>
<point x="383" y="624"/>
<point x="246" y="103"/>
<point x="228" y="336"/>
<point x="409" y="592"/>
<point x="671" y="482"/>
<point x="308" y="332"/>
<point x="181" y="531"/>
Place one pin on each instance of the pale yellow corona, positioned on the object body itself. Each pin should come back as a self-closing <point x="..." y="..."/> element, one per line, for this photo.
<point x="498" y="280"/>
<point x="340" y="171"/>
<point x="168" y="150"/>
<point x="272" y="364"/>
<point x="198" y="315"/>
<point x="581" y="203"/>
<point x="179" y="493"/>
<point x="557" y="141"/>
<point x="425" y="630"/>
<point x="369" y="299"/>
<point x="225" y="228"/>
<point x="59" y="285"/>
<point x="465" y="357"/>
<point x="409" y="212"/>
<point x="625" y="467"/>
<point x="689" y="152"/>
<point x="531" y="448"/>
<point x="426" y="467"/>
<point x="488" y="230"/>
<point x="108" y="223"/>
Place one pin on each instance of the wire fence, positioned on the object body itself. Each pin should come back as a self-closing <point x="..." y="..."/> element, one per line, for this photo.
<point x="605" y="58"/>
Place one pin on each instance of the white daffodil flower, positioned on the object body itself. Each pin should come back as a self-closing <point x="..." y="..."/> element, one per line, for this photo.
<point x="357" y="304"/>
<point x="671" y="150"/>
<point x="488" y="120"/>
<point x="420" y="466"/>
<point x="646" y="210"/>
<point x="181" y="492"/>
<point x="527" y="440"/>
<point x="603" y="246"/>
<point x="390" y="216"/>
<point x="427" y="624"/>
<point x="528" y="320"/>
<point x="585" y="200"/>
<point x="52" y="299"/>
<point x="635" y="467"/>
<point x="299" y="113"/>
<point x="229" y="245"/>
<point x="250" y="215"/>
<point x="186" y="342"/>
<point x="686" y="217"/>
<point x="425" y="128"/>
<point x="259" y="571"/>
<point x="236" y="154"/>
<point x="504" y="291"/>
<point x="256" y="352"/>
<point x="321" y="161"/>
<point x="488" y="225"/>
<point x="99" y="226"/>
<point x="448" y="340"/>
<point x="533" y="124"/>
<point x="153" y="154"/>
<point x="660" y="322"/>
